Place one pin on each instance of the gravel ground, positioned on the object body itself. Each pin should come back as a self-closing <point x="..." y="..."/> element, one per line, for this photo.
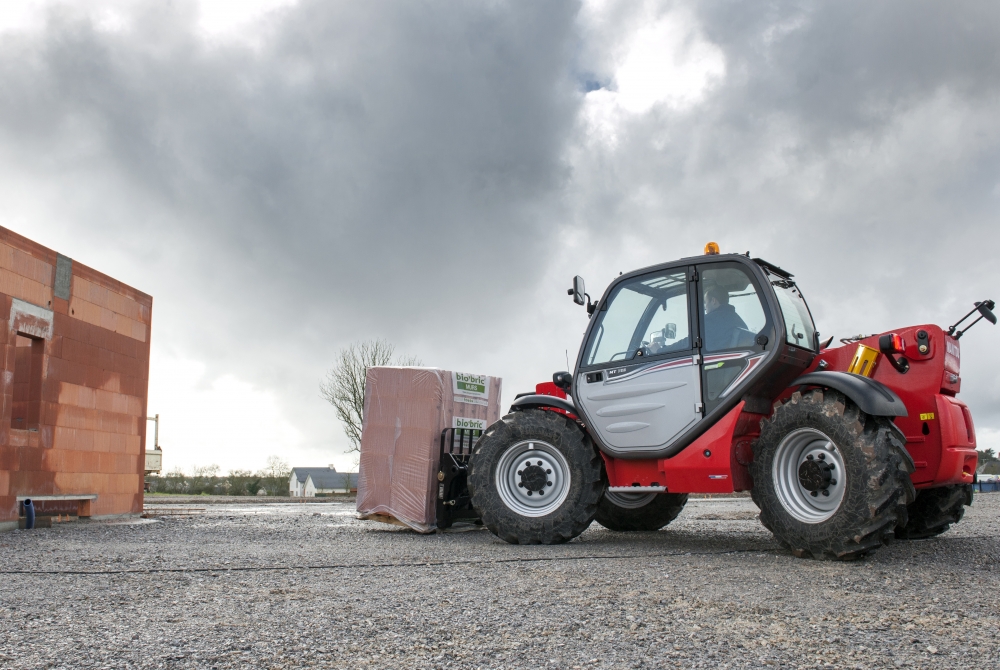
<point x="294" y="585"/>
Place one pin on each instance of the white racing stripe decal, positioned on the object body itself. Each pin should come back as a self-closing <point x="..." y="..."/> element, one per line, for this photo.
<point x="752" y="363"/>
<point x="656" y="367"/>
<point x="726" y="357"/>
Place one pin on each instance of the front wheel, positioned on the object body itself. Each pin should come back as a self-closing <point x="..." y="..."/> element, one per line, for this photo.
<point x="830" y="481"/>
<point x="639" y="511"/>
<point x="535" y="478"/>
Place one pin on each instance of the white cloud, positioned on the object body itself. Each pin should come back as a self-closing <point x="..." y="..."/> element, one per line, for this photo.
<point x="651" y="59"/>
<point x="670" y="63"/>
<point x="226" y="420"/>
<point x="221" y="17"/>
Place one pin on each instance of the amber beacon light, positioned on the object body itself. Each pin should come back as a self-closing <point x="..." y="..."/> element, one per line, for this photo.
<point x="711" y="249"/>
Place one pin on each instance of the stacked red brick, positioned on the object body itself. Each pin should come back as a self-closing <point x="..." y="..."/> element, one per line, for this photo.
<point x="75" y="376"/>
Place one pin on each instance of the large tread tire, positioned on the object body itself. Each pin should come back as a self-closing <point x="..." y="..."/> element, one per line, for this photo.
<point x="654" y="515"/>
<point x="877" y="488"/>
<point x="585" y="488"/>
<point x="934" y="510"/>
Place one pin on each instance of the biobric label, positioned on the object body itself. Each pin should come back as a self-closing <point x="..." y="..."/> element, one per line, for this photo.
<point x="472" y="385"/>
<point x="474" y="424"/>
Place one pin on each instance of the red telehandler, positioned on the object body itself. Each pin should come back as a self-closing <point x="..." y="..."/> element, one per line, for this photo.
<point x="707" y="375"/>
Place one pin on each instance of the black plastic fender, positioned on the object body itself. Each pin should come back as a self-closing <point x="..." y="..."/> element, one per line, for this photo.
<point x="533" y="401"/>
<point x="872" y="397"/>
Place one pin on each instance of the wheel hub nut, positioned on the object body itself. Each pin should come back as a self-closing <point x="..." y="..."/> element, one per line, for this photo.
<point x="815" y="476"/>
<point x="533" y="478"/>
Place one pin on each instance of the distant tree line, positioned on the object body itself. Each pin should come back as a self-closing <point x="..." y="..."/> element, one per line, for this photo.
<point x="988" y="462"/>
<point x="272" y="480"/>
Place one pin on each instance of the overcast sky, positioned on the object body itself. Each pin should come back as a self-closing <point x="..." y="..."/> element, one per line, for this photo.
<point x="288" y="177"/>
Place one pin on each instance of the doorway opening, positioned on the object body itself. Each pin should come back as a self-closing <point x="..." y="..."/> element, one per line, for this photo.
<point x="28" y="359"/>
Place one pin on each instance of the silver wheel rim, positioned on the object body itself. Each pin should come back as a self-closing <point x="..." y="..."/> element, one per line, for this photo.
<point x="629" y="500"/>
<point x="799" y="495"/>
<point x="519" y="483"/>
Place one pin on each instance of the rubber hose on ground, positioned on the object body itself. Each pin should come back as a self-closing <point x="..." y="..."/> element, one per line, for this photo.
<point x="29" y="514"/>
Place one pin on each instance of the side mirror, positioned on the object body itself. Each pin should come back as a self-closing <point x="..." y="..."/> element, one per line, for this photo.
<point x="670" y="331"/>
<point x="985" y="308"/>
<point x="564" y="380"/>
<point x="578" y="291"/>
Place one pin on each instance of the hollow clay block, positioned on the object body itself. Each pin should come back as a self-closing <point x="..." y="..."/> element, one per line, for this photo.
<point x="405" y="410"/>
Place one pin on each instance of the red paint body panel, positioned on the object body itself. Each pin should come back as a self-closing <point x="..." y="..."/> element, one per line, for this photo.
<point x="943" y="447"/>
<point x="549" y="388"/>
<point x="691" y="471"/>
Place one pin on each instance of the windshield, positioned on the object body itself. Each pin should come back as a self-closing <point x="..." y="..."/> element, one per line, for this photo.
<point x="799" y="328"/>
<point x="647" y="316"/>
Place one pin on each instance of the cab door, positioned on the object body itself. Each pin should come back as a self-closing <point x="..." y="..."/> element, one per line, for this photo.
<point x="639" y="384"/>
<point x="735" y="329"/>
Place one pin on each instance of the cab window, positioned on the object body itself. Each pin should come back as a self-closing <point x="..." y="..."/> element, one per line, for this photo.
<point x="647" y="316"/>
<point x="799" y="328"/>
<point x="733" y="313"/>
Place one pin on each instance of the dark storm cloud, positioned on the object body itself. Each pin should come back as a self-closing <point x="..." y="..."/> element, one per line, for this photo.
<point x="363" y="170"/>
<point x="395" y="134"/>
<point x="397" y="169"/>
<point x="366" y="168"/>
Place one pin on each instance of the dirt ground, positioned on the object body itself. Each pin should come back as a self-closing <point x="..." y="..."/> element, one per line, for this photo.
<point x="296" y="585"/>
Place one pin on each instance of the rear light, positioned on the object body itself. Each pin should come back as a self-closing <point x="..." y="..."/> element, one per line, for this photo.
<point x="891" y="344"/>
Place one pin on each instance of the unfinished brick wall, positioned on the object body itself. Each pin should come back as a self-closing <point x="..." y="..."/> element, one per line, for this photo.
<point x="75" y="347"/>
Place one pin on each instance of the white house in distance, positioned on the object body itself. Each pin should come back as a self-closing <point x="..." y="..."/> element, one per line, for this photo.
<point x="307" y="482"/>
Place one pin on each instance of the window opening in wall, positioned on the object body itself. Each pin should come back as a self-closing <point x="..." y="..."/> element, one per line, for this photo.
<point x="26" y="411"/>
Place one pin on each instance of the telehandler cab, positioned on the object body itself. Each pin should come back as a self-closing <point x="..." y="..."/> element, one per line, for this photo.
<point x="707" y="375"/>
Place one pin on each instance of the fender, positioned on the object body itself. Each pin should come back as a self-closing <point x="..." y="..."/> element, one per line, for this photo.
<point x="535" y="401"/>
<point x="872" y="397"/>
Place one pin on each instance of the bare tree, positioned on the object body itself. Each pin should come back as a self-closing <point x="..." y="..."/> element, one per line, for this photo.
<point x="276" y="467"/>
<point x="344" y="386"/>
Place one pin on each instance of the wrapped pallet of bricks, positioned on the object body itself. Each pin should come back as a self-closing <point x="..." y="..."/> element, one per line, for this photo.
<point x="405" y="411"/>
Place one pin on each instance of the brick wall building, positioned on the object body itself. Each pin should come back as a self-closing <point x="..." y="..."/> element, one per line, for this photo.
<point x="75" y="359"/>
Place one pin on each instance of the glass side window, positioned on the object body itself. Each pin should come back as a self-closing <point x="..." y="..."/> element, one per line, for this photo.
<point x="733" y="310"/>
<point x="799" y="328"/>
<point x="647" y="316"/>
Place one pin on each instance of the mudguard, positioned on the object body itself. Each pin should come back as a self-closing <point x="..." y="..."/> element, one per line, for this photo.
<point x="872" y="397"/>
<point x="537" y="400"/>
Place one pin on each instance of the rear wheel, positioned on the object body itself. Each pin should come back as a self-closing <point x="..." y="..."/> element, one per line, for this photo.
<point x="830" y="481"/>
<point x="638" y="511"/>
<point x="535" y="478"/>
<point x="934" y="510"/>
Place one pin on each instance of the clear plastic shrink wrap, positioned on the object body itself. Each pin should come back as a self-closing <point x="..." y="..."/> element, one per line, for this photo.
<point x="405" y="410"/>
